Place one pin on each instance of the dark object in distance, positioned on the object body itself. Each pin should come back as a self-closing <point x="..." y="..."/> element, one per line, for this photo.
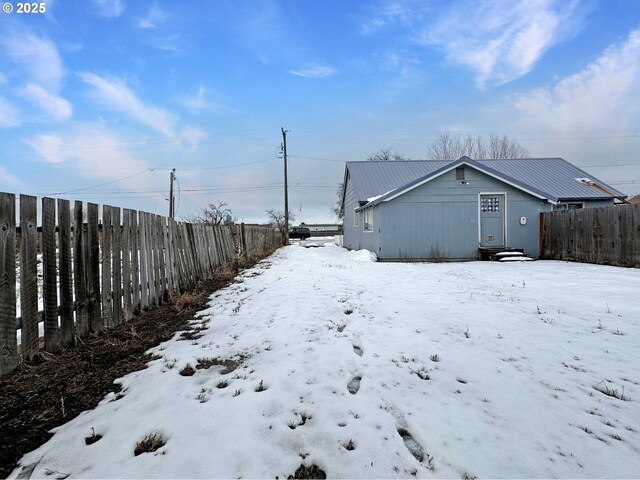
<point x="299" y="232"/>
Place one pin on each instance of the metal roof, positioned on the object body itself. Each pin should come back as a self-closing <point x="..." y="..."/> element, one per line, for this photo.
<point x="554" y="178"/>
<point x="371" y="179"/>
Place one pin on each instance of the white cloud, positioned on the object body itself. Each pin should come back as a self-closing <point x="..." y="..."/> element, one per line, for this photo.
<point x="7" y="179"/>
<point x="501" y="40"/>
<point x="38" y="56"/>
<point x="113" y="94"/>
<point x="3" y="79"/>
<point x="193" y="136"/>
<point x="91" y="151"/>
<point x="8" y="114"/>
<point x="41" y="61"/>
<point x="154" y="18"/>
<point x="394" y="12"/>
<point x="109" y="8"/>
<point x="199" y="101"/>
<point x="54" y="106"/>
<point x="314" y="71"/>
<point x="603" y="95"/>
<point x="49" y="147"/>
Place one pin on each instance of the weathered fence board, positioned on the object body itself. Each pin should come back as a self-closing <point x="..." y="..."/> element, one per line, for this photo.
<point x="66" y="276"/>
<point x="155" y="246"/>
<point x="49" y="276"/>
<point x="79" y="272"/>
<point x="117" y="266"/>
<point x="135" y="270"/>
<point x="604" y="235"/>
<point x="93" y="269"/>
<point x="29" y="276"/>
<point x="100" y="273"/>
<point x="107" y="289"/>
<point x="126" y="264"/>
<point x="8" y="339"/>
<point x="142" y="248"/>
<point x="150" y="266"/>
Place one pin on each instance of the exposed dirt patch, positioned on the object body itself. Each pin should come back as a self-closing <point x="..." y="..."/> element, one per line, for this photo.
<point x="46" y="394"/>
<point x="187" y="371"/>
<point x="312" y="471"/>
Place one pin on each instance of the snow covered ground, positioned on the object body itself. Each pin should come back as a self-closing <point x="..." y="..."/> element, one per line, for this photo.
<point x="382" y="370"/>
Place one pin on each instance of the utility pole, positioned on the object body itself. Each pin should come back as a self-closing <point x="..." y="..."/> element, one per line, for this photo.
<point x="286" y="188"/>
<point x="172" y="176"/>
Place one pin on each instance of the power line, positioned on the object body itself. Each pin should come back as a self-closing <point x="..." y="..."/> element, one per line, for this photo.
<point x="103" y="184"/>
<point x="230" y="166"/>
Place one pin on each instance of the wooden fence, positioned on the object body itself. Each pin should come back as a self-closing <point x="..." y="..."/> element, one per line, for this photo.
<point x="605" y="235"/>
<point x="92" y="281"/>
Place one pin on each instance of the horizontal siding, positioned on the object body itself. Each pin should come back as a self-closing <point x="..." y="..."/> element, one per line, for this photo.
<point x="444" y="215"/>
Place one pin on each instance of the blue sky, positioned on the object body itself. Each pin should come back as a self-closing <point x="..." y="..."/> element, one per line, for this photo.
<point x="100" y="99"/>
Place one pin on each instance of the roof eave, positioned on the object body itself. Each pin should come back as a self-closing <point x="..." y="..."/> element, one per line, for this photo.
<point x="447" y="168"/>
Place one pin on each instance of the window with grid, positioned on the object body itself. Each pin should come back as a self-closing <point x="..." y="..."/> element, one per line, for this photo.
<point x="490" y="204"/>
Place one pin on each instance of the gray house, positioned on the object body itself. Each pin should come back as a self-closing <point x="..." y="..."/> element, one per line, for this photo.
<point x="419" y="209"/>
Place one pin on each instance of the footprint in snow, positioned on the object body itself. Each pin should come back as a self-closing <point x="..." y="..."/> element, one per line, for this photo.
<point x="414" y="447"/>
<point x="357" y="349"/>
<point x="354" y="385"/>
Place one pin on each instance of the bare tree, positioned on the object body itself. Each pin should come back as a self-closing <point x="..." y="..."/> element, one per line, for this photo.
<point x="385" y="155"/>
<point x="212" y="214"/>
<point x="504" y="147"/>
<point x="337" y="209"/>
<point x="451" y="146"/>
<point x="276" y="219"/>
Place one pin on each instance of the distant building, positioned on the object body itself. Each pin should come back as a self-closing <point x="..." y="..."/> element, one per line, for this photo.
<point x="634" y="200"/>
<point x="323" y="229"/>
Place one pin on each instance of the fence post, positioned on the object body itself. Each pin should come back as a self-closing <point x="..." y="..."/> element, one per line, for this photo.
<point x="8" y="340"/>
<point x="29" y="276"/>
<point x="49" y="276"/>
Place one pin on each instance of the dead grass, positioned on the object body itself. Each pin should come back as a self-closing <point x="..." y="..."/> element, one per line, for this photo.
<point x="188" y="299"/>
<point x="187" y="371"/>
<point x="602" y="387"/>
<point x="312" y="471"/>
<point x="150" y="443"/>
